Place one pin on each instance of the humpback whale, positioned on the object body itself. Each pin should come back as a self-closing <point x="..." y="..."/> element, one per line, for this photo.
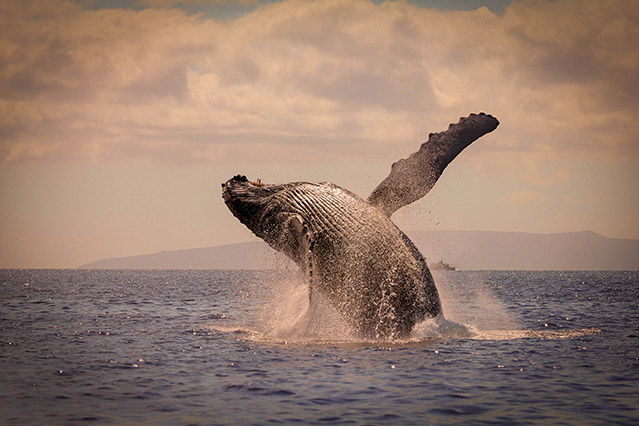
<point x="348" y="248"/>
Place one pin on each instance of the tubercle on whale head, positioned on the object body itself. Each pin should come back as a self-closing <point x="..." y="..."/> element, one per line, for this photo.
<point x="242" y="178"/>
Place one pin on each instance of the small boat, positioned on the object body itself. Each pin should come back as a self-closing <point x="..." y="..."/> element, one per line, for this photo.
<point x="442" y="266"/>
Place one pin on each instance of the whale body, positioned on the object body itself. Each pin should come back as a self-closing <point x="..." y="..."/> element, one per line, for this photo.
<point x="348" y="248"/>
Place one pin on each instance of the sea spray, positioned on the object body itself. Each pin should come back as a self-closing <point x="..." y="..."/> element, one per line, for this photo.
<point x="467" y="299"/>
<point x="289" y="314"/>
<point x="285" y="312"/>
<point x="292" y="315"/>
<point x="441" y="328"/>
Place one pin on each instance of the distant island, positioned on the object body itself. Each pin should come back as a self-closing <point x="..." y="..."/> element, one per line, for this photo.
<point x="467" y="250"/>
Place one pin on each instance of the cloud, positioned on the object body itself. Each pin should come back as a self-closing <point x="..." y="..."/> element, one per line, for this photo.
<point x="172" y="3"/>
<point x="521" y="197"/>
<point x="298" y="79"/>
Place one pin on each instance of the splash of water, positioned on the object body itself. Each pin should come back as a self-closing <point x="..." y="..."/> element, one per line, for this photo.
<point x="291" y="314"/>
<point x="472" y="311"/>
<point x="471" y="302"/>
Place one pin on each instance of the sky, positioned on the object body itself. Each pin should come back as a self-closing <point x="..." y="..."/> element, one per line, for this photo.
<point x="119" y="120"/>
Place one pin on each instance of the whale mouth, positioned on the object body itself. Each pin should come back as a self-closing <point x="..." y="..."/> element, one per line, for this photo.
<point x="231" y="187"/>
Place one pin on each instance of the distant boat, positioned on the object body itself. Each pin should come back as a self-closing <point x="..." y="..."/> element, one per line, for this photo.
<point x="442" y="266"/>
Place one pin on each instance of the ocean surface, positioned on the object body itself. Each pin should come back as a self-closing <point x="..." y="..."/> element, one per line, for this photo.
<point x="245" y="347"/>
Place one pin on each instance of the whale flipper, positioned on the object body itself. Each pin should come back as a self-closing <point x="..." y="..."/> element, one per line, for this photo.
<point x="411" y="178"/>
<point x="297" y="242"/>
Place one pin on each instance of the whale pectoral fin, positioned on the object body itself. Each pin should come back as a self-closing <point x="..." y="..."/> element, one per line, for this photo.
<point x="301" y="245"/>
<point x="411" y="178"/>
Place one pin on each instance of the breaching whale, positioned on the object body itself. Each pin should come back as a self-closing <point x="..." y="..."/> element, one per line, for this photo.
<point x="347" y="247"/>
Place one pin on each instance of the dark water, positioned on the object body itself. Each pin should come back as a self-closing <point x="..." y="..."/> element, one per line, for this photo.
<point x="217" y="347"/>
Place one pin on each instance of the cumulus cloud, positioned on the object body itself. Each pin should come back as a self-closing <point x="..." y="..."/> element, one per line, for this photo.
<point x="296" y="78"/>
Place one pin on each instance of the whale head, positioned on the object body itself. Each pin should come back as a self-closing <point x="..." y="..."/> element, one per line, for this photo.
<point x="250" y="202"/>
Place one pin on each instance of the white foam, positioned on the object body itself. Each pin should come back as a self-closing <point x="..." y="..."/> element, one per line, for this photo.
<point x="536" y="334"/>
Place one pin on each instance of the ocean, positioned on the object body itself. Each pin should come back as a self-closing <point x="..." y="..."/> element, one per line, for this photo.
<point x="245" y="347"/>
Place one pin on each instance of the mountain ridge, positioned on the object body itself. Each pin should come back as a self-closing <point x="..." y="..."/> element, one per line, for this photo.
<point x="466" y="250"/>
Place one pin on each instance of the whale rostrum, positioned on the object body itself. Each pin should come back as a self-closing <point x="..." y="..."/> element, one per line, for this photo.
<point x="347" y="247"/>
